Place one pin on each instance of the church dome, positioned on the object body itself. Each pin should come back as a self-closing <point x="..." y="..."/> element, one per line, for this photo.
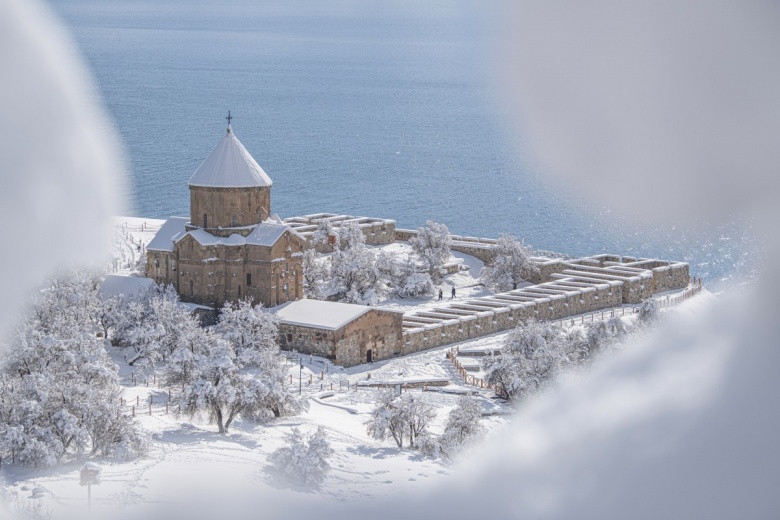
<point x="230" y="166"/>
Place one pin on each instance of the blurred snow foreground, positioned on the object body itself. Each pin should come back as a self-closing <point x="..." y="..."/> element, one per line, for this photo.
<point x="59" y="161"/>
<point x="683" y="424"/>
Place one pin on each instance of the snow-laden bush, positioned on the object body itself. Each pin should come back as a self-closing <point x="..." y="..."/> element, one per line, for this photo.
<point x="575" y="343"/>
<point x="402" y="418"/>
<point x="462" y="429"/>
<point x="649" y="312"/>
<point x="324" y="230"/>
<point x="354" y="275"/>
<point x="429" y="445"/>
<point x="531" y="356"/>
<point x="463" y="426"/>
<point x="510" y="266"/>
<point x="605" y="335"/>
<point x="315" y="275"/>
<point x="60" y="390"/>
<point x="304" y="460"/>
<point x="432" y="245"/>
<point x="409" y="282"/>
<point x="350" y="235"/>
<point x="149" y="325"/>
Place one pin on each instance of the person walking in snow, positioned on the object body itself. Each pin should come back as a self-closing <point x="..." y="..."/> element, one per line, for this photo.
<point x="453" y="293"/>
<point x="441" y="294"/>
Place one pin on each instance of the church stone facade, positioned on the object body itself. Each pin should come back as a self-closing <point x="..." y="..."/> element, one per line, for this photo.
<point x="230" y="247"/>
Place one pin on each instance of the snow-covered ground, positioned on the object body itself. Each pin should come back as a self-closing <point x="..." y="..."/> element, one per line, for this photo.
<point x="132" y="236"/>
<point x="188" y="457"/>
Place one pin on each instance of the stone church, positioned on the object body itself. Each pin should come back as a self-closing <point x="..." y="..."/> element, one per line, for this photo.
<point x="230" y="247"/>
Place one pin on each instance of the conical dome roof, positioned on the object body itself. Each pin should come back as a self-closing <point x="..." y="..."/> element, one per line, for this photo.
<point x="230" y="166"/>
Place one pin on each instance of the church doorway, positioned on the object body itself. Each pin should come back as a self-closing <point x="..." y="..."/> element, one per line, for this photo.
<point x="369" y="356"/>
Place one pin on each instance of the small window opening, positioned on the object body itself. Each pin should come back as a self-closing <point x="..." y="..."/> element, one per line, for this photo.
<point x="369" y="356"/>
<point x="192" y="288"/>
<point x="234" y="221"/>
<point x="239" y="291"/>
<point x="205" y="220"/>
<point x="248" y="279"/>
<point x="289" y="337"/>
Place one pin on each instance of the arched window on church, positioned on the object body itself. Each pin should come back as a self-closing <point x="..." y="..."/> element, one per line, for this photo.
<point x="205" y="220"/>
<point x="248" y="279"/>
<point x="234" y="221"/>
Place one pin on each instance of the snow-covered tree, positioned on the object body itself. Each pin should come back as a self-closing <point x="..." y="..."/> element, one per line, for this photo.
<point x="403" y="418"/>
<point x="606" y="334"/>
<point x="152" y="326"/>
<point x="233" y="370"/>
<point x="432" y="245"/>
<point x="409" y="282"/>
<point x="60" y="390"/>
<point x="575" y="345"/>
<point x="218" y="388"/>
<point x="354" y="275"/>
<point x="510" y="266"/>
<point x="531" y="356"/>
<point x="315" y="275"/>
<point x="463" y="426"/>
<point x="304" y="460"/>
<point x="324" y="230"/>
<point x="649" y="312"/>
<point x="350" y="236"/>
<point x="250" y="330"/>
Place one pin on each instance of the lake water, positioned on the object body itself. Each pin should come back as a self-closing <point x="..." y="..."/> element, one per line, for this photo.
<point x="371" y="108"/>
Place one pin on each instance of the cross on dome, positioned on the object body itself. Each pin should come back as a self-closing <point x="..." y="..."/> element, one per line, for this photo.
<point x="229" y="118"/>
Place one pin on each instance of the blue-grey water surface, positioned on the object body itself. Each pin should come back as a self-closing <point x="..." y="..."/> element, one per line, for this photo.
<point x="373" y="108"/>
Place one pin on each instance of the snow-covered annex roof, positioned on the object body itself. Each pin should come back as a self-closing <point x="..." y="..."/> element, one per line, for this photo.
<point x="265" y="234"/>
<point x="229" y="165"/>
<point x="167" y="234"/>
<point x="319" y="314"/>
<point x="115" y="285"/>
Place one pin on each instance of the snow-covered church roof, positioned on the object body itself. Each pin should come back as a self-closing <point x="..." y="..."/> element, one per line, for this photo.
<point x="265" y="234"/>
<point x="173" y="228"/>
<point x="116" y="285"/>
<point x="230" y="166"/>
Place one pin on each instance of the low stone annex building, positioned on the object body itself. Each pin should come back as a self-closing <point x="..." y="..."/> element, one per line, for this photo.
<point x="346" y="334"/>
<point x="230" y="247"/>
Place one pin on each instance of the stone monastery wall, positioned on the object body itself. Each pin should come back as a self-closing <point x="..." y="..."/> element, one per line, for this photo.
<point x="501" y="312"/>
<point x="564" y="287"/>
<point x="377" y="231"/>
